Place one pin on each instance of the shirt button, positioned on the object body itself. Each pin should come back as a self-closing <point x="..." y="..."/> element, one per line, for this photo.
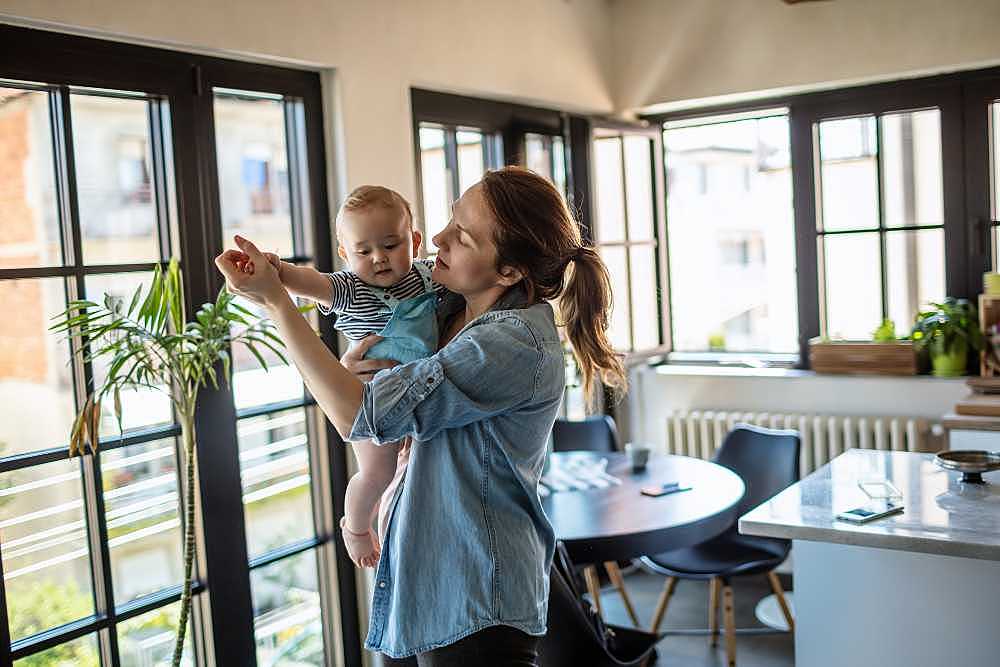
<point x="381" y="584"/>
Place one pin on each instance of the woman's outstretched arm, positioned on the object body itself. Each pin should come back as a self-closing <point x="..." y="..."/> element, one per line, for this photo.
<point x="336" y="390"/>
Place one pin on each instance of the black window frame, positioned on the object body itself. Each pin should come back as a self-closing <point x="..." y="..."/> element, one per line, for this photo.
<point x="186" y="81"/>
<point x="963" y="99"/>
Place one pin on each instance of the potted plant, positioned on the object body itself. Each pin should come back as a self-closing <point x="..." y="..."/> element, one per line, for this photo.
<point x="151" y="344"/>
<point x="947" y="330"/>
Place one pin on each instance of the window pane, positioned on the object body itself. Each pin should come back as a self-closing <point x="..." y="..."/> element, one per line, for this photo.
<point x="912" y="183"/>
<point x="46" y="564"/>
<point x="435" y="182"/>
<point x="144" y="531"/>
<point x="36" y="383"/>
<point x="141" y="407"/>
<point x="609" y="190"/>
<point x="80" y="652"/>
<point x="252" y="156"/>
<point x="470" y="159"/>
<point x="287" y="612"/>
<point x="537" y="154"/>
<point x="559" y="164"/>
<point x="274" y="463"/>
<point x="849" y="174"/>
<point x="732" y="238"/>
<point x="148" y="640"/>
<point x="114" y="176"/>
<point x="639" y="188"/>
<point x="252" y="385"/>
<point x="852" y="285"/>
<point x="618" y="332"/>
<point x="915" y="264"/>
<point x="645" y="309"/>
<point x="29" y="218"/>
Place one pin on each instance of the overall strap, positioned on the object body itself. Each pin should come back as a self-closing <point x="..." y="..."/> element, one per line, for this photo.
<point x="425" y="274"/>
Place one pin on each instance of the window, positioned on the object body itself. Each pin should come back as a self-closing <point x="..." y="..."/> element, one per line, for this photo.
<point x="546" y="155"/>
<point x="881" y="220"/>
<point x="452" y="160"/>
<point x="626" y="236"/>
<point x="731" y="234"/>
<point x="99" y="185"/>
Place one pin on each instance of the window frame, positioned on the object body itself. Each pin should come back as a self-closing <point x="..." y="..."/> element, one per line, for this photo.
<point x="964" y="153"/>
<point x="222" y="624"/>
<point x="607" y="129"/>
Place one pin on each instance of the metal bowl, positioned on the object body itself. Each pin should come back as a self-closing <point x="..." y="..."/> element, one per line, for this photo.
<point x="971" y="463"/>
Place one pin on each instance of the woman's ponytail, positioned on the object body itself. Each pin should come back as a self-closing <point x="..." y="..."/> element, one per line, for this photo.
<point x="585" y="308"/>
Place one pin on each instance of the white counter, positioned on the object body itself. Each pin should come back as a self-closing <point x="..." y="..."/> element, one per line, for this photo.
<point x="921" y="588"/>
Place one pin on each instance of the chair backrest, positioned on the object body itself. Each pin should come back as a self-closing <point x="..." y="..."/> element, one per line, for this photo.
<point x="593" y="434"/>
<point x="766" y="459"/>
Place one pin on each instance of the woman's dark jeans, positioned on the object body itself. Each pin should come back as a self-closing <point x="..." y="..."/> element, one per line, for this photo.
<point x="499" y="645"/>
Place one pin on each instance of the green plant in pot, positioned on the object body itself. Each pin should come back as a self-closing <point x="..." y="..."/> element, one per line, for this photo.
<point x="947" y="330"/>
<point x="150" y="344"/>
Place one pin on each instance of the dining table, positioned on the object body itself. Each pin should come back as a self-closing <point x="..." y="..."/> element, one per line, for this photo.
<point x="596" y="505"/>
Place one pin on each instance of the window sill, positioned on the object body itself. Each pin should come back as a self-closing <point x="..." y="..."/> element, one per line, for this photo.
<point x="693" y="370"/>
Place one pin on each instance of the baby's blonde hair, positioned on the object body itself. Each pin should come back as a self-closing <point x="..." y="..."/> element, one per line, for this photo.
<point x="375" y="196"/>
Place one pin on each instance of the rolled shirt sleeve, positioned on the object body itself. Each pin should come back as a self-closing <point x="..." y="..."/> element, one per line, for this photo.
<point x="490" y="368"/>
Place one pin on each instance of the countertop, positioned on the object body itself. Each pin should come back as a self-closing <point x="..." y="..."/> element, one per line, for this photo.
<point x="942" y="516"/>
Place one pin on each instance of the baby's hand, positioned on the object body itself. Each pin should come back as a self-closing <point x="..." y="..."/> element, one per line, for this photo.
<point x="363" y="548"/>
<point x="246" y="266"/>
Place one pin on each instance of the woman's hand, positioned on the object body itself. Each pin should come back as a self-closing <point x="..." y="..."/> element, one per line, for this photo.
<point x="365" y="369"/>
<point x="250" y="274"/>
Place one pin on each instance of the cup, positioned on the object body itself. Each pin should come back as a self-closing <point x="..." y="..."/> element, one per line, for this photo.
<point x="638" y="455"/>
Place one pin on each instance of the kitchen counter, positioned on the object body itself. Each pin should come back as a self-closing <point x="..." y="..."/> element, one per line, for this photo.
<point x="920" y="588"/>
<point x="942" y="516"/>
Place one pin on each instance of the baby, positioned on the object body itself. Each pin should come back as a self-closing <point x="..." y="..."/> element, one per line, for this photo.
<point x="388" y="292"/>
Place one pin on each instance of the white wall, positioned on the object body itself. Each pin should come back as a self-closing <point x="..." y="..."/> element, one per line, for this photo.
<point x="551" y="52"/>
<point x="671" y="50"/>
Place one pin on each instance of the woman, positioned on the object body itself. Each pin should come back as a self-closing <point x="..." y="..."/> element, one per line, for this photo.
<point x="463" y="574"/>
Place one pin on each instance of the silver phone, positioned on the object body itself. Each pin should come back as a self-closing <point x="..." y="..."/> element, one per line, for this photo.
<point x="870" y="512"/>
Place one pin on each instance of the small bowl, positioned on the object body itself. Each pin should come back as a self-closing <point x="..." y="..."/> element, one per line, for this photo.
<point x="971" y="463"/>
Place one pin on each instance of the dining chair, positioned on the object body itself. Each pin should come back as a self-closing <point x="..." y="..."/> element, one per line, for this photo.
<point x="768" y="461"/>
<point x="597" y="433"/>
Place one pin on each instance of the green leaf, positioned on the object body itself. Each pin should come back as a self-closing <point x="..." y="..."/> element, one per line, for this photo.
<point x="260" y="359"/>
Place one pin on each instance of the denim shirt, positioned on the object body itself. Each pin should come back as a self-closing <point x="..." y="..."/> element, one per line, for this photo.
<point x="467" y="545"/>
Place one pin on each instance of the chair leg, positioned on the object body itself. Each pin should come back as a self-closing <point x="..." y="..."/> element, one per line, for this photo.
<point x="782" y="602"/>
<point x="730" y="618"/>
<point x="593" y="587"/>
<point x="615" y="575"/>
<point x="713" y="611"/>
<point x="661" y="607"/>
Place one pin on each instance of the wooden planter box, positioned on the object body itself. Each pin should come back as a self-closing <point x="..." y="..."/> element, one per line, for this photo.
<point x="863" y="357"/>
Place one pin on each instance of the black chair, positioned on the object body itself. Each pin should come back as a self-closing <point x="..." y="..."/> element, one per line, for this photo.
<point x="594" y="434"/>
<point x="768" y="461"/>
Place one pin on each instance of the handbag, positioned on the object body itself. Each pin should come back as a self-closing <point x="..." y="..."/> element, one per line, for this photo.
<point x="577" y="635"/>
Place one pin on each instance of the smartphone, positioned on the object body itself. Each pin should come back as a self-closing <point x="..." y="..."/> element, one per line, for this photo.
<point x="663" y="489"/>
<point x="870" y="512"/>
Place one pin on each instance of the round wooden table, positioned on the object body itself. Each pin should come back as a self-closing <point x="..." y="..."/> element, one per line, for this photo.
<point x="619" y="523"/>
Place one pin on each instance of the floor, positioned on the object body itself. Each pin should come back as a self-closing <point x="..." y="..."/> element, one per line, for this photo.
<point x="689" y="609"/>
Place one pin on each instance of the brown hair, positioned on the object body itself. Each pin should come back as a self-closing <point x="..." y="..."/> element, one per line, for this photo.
<point x="536" y="234"/>
<point x="365" y="197"/>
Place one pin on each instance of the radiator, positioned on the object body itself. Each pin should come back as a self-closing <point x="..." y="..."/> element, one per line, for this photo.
<point x="699" y="433"/>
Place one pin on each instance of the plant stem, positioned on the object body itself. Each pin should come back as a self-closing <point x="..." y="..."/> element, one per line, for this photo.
<point x="188" y="437"/>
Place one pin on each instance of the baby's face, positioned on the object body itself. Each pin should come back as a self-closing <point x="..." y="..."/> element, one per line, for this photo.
<point x="378" y="244"/>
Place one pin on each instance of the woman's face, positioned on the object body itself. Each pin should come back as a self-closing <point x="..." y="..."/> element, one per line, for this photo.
<point x="467" y="257"/>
